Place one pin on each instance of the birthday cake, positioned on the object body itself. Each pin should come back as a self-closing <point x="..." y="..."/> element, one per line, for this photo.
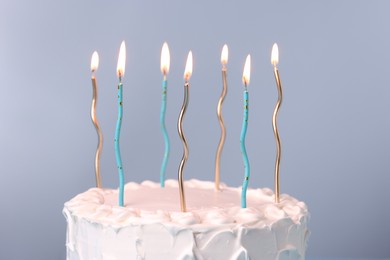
<point x="152" y="226"/>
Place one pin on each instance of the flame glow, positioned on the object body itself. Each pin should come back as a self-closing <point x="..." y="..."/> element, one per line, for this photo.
<point x="165" y="59"/>
<point x="224" y="55"/>
<point x="275" y="54"/>
<point x="120" y="69"/>
<point x="94" y="61"/>
<point x="188" y="69"/>
<point x="246" y="75"/>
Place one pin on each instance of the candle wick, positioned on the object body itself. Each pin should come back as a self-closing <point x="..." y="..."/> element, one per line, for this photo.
<point x="120" y="75"/>
<point x="186" y="79"/>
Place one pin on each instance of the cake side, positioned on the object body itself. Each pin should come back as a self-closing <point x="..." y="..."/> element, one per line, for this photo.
<point x="151" y="226"/>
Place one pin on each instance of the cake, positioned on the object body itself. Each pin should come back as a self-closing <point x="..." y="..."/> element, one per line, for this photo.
<point x="151" y="226"/>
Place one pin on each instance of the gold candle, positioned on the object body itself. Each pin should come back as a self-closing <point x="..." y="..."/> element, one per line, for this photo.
<point x="94" y="66"/>
<point x="274" y="61"/>
<point x="187" y="75"/>
<point x="224" y="60"/>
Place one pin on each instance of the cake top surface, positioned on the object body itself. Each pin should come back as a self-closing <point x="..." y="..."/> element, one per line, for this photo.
<point x="147" y="202"/>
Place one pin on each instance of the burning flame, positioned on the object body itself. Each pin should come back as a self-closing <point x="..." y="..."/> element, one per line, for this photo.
<point x="246" y="75"/>
<point x="94" y="61"/>
<point x="224" y="55"/>
<point x="120" y="69"/>
<point x="188" y="69"/>
<point x="165" y="59"/>
<point x="275" y="54"/>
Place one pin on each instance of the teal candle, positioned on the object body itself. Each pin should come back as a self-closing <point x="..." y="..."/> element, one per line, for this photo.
<point x="165" y="61"/>
<point x="165" y="133"/>
<point x="245" y="79"/>
<point x="120" y="72"/>
<point x="117" y="147"/>
<point x="243" y="149"/>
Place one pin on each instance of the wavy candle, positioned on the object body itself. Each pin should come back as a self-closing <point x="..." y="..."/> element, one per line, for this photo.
<point x="165" y="62"/>
<point x="274" y="61"/>
<point x="187" y="75"/>
<point x="245" y="81"/>
<point x="224" y="60"/>
<point x="94" y="67"/>
<point x="120" y="72"/>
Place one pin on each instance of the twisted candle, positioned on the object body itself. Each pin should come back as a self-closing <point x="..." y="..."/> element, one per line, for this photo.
<point x="187" y="75"/>
<point x="274" y="61"/>
<point x="243" y="149"/>
<point x="245" y="79"/>
<point x="165" y="62"/>
<point x="94" y="65"/>
<point x="224" y="56"/>
<point x="117" y="148"/>
<point x="165" y="133"/>
<point x="185" y="147"/>
<point x="120" y="72"/>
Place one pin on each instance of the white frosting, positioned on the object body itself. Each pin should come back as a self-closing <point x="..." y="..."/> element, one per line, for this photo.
<point x="151" y="225"/>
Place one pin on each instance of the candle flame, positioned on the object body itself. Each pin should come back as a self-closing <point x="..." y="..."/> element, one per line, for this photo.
<point x="188" y="69"/>
<point x="275" y="54"/>
<point x="246" y="75"/>
<point x="94" y="61"/>
<point x="224" y="55"/>
<point x="120" y="69"/>
<point x="165" y="59"/>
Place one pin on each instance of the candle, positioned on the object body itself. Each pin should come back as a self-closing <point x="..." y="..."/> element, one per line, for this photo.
<point x="94" y="66"/>
<point x="224" y="60"/>
<point x="187" y="75"/>
<point x="274" y="61"/>
<point x="165" y="61"/>
<point x="120" y="72"/>
<point x="245" y="80"/>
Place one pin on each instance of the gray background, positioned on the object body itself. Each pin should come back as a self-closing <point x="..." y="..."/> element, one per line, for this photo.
<point x="334" y="122"/>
